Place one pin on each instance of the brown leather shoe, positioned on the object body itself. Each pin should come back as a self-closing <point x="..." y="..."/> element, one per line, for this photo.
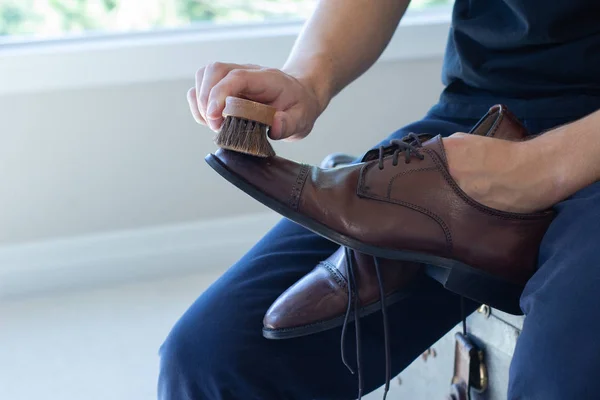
<point x="407" y="209"/>
<point x="319" y="300"/>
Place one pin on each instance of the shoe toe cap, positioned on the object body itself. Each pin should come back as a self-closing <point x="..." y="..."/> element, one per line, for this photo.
<point x="312" y="299"/>
<point x="275" y="177"/>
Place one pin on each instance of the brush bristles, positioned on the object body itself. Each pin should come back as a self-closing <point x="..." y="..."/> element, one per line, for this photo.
<point x="244" y="136"/>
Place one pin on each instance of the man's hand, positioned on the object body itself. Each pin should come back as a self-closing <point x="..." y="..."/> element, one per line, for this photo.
<point x="297" y="104"/>
<point x="499" y="173"/>
<point x="527" y="176"/>
<point x="339" y="42"/>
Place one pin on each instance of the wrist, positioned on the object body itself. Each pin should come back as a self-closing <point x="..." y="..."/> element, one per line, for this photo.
<point x="563" y="160"/>
<point x="315" y="74"/>
<point x="542" y="169"/>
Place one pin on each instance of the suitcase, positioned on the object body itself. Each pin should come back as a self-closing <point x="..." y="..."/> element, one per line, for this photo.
<point x="430" y="377"/>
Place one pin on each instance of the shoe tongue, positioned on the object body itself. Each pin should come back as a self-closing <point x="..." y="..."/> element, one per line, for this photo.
<point x="437" y="146"/>
<point x="500" y="123"/>
<point x="389" y="150"/>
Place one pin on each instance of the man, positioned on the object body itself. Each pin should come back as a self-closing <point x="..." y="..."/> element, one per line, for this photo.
<point x="540" y="58"/>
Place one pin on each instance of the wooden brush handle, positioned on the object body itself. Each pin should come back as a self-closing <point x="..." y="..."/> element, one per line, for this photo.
<point x="251" y="110"/>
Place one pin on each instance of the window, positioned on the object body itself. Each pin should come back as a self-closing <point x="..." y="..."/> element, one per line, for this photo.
<point x="50" y="19"/>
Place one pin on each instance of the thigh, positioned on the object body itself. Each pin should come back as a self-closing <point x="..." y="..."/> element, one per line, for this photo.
<point x="557" y="353"/>
<point x="216" y="350"/>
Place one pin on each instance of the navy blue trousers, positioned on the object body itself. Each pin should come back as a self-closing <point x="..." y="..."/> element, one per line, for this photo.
<point x="216" y="350"/>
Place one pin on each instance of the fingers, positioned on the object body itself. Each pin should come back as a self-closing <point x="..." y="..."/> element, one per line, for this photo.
<point x="198" y="87"/>
<point x="217" y="81"/>
<point x="212" y="74"/>
<point x="206" y="79"/>
<point x="259" y="85"/>
<point x="192" y="99"/>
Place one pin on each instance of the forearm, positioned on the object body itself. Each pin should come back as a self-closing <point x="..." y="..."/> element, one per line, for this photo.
<point x="341" y="41"/>
<point x="570" y="154"/>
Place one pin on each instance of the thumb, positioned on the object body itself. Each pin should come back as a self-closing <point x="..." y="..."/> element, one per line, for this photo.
<point x="285" y="125"/>
<point x="280" y="129"/>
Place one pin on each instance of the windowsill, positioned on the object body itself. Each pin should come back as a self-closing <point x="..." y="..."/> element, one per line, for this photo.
<point x="170" y="55"/>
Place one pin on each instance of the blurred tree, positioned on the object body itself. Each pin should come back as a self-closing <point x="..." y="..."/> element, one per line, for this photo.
<point x="110" y="4"/>
<point x="44" y="18"/>
<point x="11" y="17"/>
<point x="198" y="10"/>
<point x="75" y="15"/>
<point x="15" y="16"/>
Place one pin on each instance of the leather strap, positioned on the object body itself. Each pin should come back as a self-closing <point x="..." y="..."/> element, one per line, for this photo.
<point x="470" y="371"/>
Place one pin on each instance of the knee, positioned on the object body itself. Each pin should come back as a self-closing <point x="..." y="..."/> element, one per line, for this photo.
<point x="212" y="350"/>
<point x="551" y="376"/>
<point x="193" y="361"/>
<point x="529" y="376"/>
<point x="177" y="372"/>
<point x="552" y="362"/>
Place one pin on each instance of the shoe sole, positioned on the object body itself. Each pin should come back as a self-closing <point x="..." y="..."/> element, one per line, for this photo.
<point x="321" y="326"/>
<point x="456" y="276"/>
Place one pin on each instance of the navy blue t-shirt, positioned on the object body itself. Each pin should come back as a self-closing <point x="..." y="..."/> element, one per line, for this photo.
<point x="525" y="49"/>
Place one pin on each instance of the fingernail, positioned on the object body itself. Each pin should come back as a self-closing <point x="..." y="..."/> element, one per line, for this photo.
<point x="282" y="132"/>
<point x="212" y="109"/>
<point x="214" y="124"/>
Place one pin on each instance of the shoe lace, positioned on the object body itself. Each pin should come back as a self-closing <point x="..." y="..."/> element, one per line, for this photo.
<point x="410" y="145"/>
<point x="353" y="310"/>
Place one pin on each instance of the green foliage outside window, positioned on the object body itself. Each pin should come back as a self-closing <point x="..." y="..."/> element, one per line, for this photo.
<point x="55" y="18"/>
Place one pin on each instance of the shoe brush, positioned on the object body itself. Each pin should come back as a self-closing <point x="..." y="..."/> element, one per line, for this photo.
<point x="245" y="127"/>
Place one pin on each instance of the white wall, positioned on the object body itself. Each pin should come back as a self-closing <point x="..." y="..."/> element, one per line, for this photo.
<point x="130" y="157"/>
<point x="112" y="158"/>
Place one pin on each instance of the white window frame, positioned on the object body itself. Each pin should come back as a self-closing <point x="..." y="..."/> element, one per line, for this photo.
<point x="115" y="59"/>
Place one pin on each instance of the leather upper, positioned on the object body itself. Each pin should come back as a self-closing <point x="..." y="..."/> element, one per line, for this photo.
<point x="415" y="206"/>
<point x="322" y="294"/>
<point x="418" y="206"/>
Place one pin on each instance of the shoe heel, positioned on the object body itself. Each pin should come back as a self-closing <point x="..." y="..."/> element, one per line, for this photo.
<point x="479" y="287"/>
